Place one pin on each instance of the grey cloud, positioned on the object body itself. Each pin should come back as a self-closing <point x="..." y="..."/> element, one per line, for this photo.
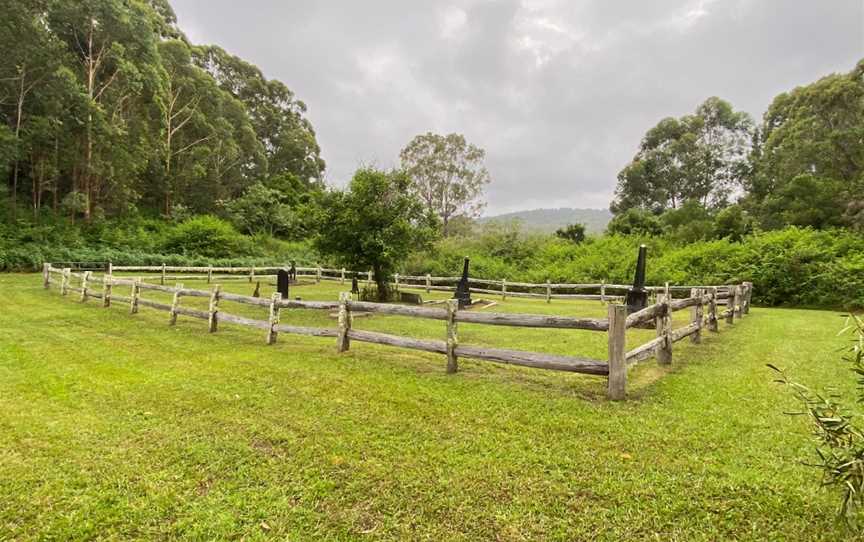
<point x="558" y="92"/>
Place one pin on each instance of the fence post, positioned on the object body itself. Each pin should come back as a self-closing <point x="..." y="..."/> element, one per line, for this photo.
<point x="617" y="334"/>
<point x="603" y="291"/>
<point x="133" y="298"/>
<point x="107" y="281"/>
<point x="209" y="273"/>
<point x="503" y="289"/>
<point x="452" y="336"/>
<point x="85" y="282"/>
<point x="110" y="268"/>
<point x="738" y="300"/>
<point x="342" y="278"/>
<point x="712" y="311"/>
<point x="251" y="274"/>
<point x="175" y="301"/>
<point x="213" y="309"/>
<point x="163" y="275"/>
<point x="730" y="305"/>
<point x="369" y="279"/>
<point x="748" y="294"/>
<point x="548" y="292"/>
<point x="46" y="275"/>
<point x="397" y="281"/>
<point x="664" y="327"/>
<point x="318" y="275"/>
<point x="342" y="340"/>
<point x="273" y="330"/>
<point x="696" y="316"/>
<point x="64" y="281"/>
<point x="428" y="283"/>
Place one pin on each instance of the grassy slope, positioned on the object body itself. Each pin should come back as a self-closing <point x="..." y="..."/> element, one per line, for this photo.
<point x="117" y="426"/>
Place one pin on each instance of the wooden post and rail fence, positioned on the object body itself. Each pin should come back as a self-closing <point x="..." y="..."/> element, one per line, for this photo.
<point x="600" y="291"/>
<point x="735" y="299"/>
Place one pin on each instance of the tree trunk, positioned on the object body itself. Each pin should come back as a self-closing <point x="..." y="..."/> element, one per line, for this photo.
<point x="18" y="118"/>
<point x="381" y="283"/>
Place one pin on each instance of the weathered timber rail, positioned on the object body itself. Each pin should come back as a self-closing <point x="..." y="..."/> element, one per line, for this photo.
<point x="703" y="303"/>
<point x="599" y="291"/>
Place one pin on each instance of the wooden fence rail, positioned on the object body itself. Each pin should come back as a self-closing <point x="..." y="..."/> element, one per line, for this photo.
<point x="600" y="291"/>
<point x="615" y="325"/>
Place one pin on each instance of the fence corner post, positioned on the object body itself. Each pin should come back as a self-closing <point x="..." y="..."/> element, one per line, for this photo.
<point x="133" y="298"/>
<point x="664" y="329"/>
<point x="64" y="281"/>
<point x="739" y="289"/>
<point x="730" y="305"/>
<point x="712" y="311"/>
<point x="107" y="285"/>
<point x="273" y="330"/>
<point x="343" y="342"/>
<point x="213" y="310"/>
<point x="175" y="301"/>
<point x="85" y="283"/>
<point x="452" y="336"/>
<point x="617" y="335"/>
<point x="696" y="316"/>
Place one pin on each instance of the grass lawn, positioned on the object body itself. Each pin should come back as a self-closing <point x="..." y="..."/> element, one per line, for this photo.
<point x="119" y="426"/>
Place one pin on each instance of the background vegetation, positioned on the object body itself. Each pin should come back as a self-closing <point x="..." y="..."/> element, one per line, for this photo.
<point x="123" y="141"/>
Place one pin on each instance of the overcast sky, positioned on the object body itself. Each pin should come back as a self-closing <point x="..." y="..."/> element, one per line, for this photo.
<point x="558" y="93"/>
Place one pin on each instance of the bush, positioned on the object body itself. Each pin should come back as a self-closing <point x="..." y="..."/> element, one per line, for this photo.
<point x="210" y="237"/>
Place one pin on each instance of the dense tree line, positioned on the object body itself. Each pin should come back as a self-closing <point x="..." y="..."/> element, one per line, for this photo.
<point x="109" y="108"/>
<point x="717" y="173"/>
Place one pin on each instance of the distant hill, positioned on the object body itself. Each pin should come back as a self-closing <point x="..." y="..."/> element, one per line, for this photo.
<point x="549" y="220"/>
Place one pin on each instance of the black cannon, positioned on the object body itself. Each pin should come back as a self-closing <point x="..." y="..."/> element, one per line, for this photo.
<point x="463" y="292"/>
<point x="637" y="296"/>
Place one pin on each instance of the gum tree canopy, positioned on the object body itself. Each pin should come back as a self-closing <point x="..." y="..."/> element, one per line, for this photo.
<point x="701" y="157"/>
<point x="448" y="175"/>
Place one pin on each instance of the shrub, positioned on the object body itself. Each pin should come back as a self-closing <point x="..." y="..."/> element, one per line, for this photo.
<point x="208" y="236"/>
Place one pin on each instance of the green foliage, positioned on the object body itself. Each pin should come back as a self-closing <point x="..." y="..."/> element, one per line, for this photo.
<point x="732" y="223"/>
<point x="837" y="430"/>
<point x="572" y="232"/>
<point x="700" y="157"/>
<point x="792" y="267"/>
<point x="809" y="165"/>
<point x="375" y="224"/>
<point x="263" y="210"/>
<point x="118" y="109"/>
<point x="208" y="236"/>
<point x="635" y="222"/>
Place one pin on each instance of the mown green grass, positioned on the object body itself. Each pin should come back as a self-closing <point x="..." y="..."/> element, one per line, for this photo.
<point x="118" y="426"/>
